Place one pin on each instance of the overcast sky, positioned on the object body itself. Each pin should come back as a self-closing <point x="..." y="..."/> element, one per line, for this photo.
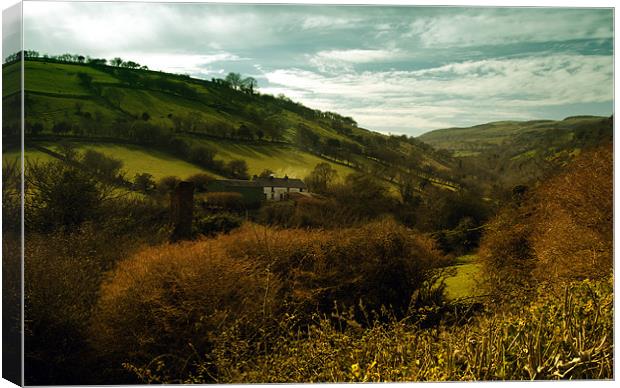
<point x="394" y="69"/>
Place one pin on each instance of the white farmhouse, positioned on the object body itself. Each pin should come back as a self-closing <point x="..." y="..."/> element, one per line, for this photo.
<point x="278" y="189"/>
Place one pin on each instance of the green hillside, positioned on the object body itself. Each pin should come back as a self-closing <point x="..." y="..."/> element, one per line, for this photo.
<point x="152" y="121"/>
<point x="487" y="137"/>
<point x="508" y="153"/>
<point x="137" y="159"/>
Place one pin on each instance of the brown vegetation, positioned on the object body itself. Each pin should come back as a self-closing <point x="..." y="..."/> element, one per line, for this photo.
<point x="573" y="224"/>
<point x="225" y="200"/>
<point x="173" y="303"/>
<point x="562" y="230"/>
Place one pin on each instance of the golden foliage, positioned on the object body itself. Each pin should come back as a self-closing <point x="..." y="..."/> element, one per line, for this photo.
<point x="177" y="304"/>
<point x="562" y="230"/>
<point x="573" y="223"/>
<point x="174" y="300"/>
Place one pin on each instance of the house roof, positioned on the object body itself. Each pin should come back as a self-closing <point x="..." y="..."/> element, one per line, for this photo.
<point x="280" y="182"/>
<point x="263" y="182"/>
<point x="237" y="182"/>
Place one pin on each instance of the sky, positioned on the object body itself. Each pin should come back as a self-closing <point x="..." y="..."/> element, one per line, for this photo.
<point x="394" y="69"/>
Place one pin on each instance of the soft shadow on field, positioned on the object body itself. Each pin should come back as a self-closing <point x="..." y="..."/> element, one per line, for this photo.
<point x="282" y="159"/>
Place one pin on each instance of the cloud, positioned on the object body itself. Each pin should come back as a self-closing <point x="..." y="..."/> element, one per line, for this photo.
<point x="330" y="60"/>
<point x="472" y="91"/>
<point x="508" y="26"/>
<point x="182" y="28"/>
<point x="328" y="22"/>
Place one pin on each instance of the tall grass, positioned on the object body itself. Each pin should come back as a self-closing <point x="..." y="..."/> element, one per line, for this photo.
<point x="560" y="335"/>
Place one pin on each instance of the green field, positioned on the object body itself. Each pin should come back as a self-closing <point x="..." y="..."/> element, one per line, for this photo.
<point x="44" y="77"/>
<point x="464" y="283"/>
<point x="31" y="155"/>
<point x="135" y="159"/>
<point x="281" y="159"/>
<point x="139" y="159"/>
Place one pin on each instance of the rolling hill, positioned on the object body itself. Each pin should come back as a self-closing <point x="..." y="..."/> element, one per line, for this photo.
<point x="509" y="153"/>
<point x="135" y="114"/>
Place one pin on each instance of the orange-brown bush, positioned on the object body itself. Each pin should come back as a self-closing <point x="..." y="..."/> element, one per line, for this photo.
<point x="179" y="303"/>
<point x="380" y="263"/>
<point x="169" y="304"/>
<point x="573" y="222"/>
<point x="506" y="253"/>
<point x="563" y="230"/>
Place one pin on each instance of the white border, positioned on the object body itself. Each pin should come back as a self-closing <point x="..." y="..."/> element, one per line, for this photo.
<point x="463" y="3"/>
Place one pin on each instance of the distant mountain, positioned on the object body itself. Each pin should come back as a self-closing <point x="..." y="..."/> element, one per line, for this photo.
<point x="512" y="152"/>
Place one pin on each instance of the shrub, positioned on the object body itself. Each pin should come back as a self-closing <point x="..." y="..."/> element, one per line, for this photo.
<point x="237" y="168"/>
<point x="201" y="181"/>
<point x="563" y="230"/>
<point x="11" y="196"/>
<point x="171" y="306"/>
<point x="378" y="264"/>
<point x="144" y="182"/>
<point x="224" y="200"/>
<point x="277" y="213"/>
<point x="201" y="155"/>
<point x="217" y="223"/>
<point x="61" y="127"/>
<point x="506" y="254"/>
<point x="168" y="305"/>
<point x="178" y="147"/>
<point x="63" y="272"/>
<point x="167" y="184"/>
<point x="102" y="165"/>
<point x="61" y="196"/>
<point x="573" y="222"/>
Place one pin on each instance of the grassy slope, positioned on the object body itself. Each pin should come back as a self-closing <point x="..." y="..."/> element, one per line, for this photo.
<point x="135" y="159"/>
<point x="509" y="153"/>
<point x="55" y="94"/>
<point x="280" y="159"/>
<point x="139" y="159"/>
<point x="62" y="81"/>
<point x="474" y="140"/>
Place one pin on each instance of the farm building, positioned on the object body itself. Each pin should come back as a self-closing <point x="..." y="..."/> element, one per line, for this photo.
<point x="277" y="189"/>
<point x="257" y="189"/>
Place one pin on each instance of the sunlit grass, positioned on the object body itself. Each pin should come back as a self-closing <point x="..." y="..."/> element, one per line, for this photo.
<point x="464" y="283"/>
